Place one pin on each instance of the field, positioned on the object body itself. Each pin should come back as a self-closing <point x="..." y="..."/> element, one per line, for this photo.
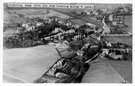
<point x="78" y="21"/>
<point x="101" y="72"/>
<point x="124" y="68"/>
<point x="128" y="21"/>
<point x="8" y="18"/>
<point x="122" y="39"/>
<point x="27" y="64"/>
<point x="77" y="18"/>
<point x="18" y="15"/>
<point x="15" y="16"/>
<point x="107" y="71"/>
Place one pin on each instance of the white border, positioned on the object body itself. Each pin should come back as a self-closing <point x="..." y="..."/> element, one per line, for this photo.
<point x="60" y="1"/>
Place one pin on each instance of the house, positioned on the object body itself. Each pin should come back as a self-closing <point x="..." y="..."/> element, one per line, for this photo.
<point x="110" y="17"/>
<point x="95" y="13"/>
<point x="39" y="24"/>
<point x="26" y="25"/>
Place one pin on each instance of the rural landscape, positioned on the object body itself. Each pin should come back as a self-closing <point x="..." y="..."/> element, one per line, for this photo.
<point x="67" y="43"/>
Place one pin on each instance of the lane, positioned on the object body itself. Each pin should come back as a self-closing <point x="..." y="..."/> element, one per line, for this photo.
<point x="106" y="29"/>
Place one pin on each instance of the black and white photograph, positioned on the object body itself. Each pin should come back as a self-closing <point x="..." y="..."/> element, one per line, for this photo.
<point x="67" y="42"/>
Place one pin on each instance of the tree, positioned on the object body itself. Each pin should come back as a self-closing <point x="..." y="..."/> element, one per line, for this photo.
<point x="99" y="11"/>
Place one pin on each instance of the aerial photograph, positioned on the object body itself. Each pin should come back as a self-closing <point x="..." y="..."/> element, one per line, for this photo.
<point x="67" y="42"/>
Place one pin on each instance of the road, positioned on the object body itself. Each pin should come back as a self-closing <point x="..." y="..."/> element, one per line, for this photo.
<point x="106" y="29"/>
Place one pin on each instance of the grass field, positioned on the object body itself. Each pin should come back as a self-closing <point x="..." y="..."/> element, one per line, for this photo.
<point x="27" y="64"/>
<point x="124" y="68"/>
<point x="12" y="14"/>
<point x="128" y="21"/>
<point x="122" y="39"/>
<point x="8" y="18"/>
<point x="108" y="71"/>
<point x="78" y="21"/>
<point x="101" y="72"/>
